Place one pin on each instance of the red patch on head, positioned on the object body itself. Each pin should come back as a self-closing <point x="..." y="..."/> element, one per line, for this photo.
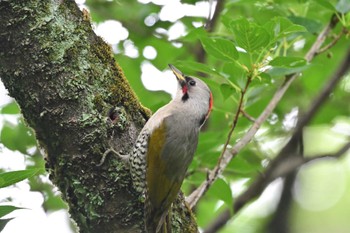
<point x="184" y="89"/>
<point x="211" y="102"/>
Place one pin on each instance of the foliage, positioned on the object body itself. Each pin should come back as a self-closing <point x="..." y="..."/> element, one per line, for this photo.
<point x="260" y="41"/>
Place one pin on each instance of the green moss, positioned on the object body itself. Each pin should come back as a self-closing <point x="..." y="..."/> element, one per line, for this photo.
<point x="99" y="103"/>
<point x="102" y="50"/>
<point x="66" y="80"/>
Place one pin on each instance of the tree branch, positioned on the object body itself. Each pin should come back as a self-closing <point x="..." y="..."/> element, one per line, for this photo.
<point x="333" y="42"/>
<point x="280" y="222"/>
<point x="263" y="180"/>
<point x="201" y="190"/>
<point x="295" y="161"/>
<point x="210" y="26"/>
<point x="285" y="162"/>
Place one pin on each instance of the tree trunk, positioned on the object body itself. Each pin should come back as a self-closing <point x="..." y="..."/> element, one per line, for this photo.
<point x="76" y="98"/>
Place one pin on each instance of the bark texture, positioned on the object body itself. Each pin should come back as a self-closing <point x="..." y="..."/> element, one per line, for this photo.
<point x="76" y="98"/>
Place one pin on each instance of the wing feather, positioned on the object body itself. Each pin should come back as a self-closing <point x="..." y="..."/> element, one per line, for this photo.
<point x="161" y="189"/>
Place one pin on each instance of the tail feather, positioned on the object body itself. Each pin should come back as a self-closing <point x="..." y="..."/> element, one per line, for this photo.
<point x="155" y="222"/>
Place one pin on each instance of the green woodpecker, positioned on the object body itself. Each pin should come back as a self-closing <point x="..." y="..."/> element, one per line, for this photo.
<point x="165" y="147"/>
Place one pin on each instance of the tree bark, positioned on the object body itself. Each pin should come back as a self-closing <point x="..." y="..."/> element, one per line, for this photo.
<point x="76" y="98"/>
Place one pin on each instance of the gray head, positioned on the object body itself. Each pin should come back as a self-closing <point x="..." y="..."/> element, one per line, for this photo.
<point x="194" y="95"/>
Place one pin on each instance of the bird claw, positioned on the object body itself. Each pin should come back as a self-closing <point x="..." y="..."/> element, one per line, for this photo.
<point x="125" y="158"/>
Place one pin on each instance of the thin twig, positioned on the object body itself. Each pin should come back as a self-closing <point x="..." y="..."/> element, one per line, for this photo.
<point x="333" y="42"/>
<point x="325" y="92"/>
<point x="283" y="165"/>
<point x="235" y="119"/>
<point x="246" y="115"/>
<point x="228" y="155"/>
<point x="321" y="38"/>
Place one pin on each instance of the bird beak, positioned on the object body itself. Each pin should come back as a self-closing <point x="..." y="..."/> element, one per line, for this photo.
<point x="179" y="75"/>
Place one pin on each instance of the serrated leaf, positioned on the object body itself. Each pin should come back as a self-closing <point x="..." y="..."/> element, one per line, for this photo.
<point x="281" y="27"/>
<point x="221" y="190"/>
<point x="249" y="36"/>
<point x="220" y="48"/>
<point x="10" y="178"/>
<point x="343" y="6"/>
<point x="11" y="108"/>
<point x="7" y="209"/>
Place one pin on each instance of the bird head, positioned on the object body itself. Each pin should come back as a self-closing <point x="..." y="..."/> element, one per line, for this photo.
<point x="194" y="94"/>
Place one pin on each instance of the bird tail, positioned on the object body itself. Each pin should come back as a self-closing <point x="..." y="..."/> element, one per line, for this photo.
<point x="155" y="222"/>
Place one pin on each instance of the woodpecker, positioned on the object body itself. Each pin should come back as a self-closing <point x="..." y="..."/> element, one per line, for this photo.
<point x="165" y="147"/>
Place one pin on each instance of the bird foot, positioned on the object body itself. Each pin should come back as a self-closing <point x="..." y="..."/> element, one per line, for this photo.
<point x="124" y="157"/>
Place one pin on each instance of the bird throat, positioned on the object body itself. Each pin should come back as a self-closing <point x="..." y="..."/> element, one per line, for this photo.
<point x="185" y="93"/>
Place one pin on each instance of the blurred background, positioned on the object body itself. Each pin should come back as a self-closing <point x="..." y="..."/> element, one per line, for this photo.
<point x="145" y="36"/>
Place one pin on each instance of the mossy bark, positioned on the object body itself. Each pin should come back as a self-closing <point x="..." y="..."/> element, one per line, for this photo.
<point x="66" y="81"/>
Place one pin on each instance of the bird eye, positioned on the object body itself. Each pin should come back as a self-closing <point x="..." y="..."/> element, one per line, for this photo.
<point x="192" y="82"/>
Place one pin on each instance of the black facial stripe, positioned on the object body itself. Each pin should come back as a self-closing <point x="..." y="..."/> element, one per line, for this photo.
<point x="185" y="97"/>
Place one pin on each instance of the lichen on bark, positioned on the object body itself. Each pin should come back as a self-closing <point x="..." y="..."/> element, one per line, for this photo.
<point x="66" y="81"/>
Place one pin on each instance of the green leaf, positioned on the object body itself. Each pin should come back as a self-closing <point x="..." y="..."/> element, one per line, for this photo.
<point x="194" y="34"/>
<point x="195" y="67"/>
<point x="290" y="62"/>
<point x="226" y="90"/>
<point x="326" y="4"/>
<point x="17" y="137"/>
<point x="241" y="167"/>
<point x="287" y="65"/>
<point x="343" y="6"/>
<point x="311" y="25"/>
<point x="234" y="71"/>
<point x="222" y="190"/>
<point x="10" y="178"/>
<point x="282" y="71"/>
<point x="6" y="209"/>
<point x="249" y="36"/>
<point x="11" y="108"/>
<point x="220" y="48"/>
<point x="254" y="94"/>
<point x="281" y="27"/>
